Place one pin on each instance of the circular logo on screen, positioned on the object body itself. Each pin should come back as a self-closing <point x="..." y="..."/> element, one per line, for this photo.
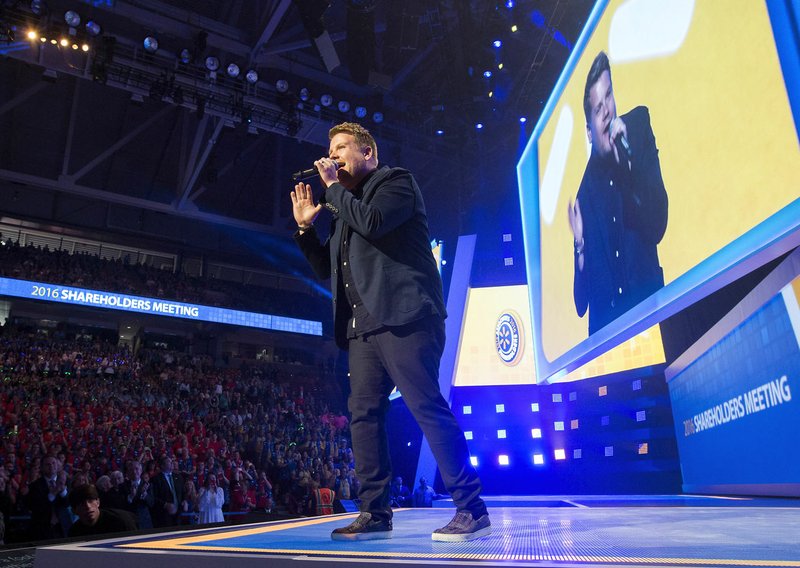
<point x="508" y="338"/>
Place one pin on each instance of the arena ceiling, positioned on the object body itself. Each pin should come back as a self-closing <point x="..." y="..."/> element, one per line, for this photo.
<point x="117" y="140"/>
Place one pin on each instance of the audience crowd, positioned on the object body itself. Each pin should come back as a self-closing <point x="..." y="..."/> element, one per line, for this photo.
<point x="168" y="437"/>
<point x="83" y="270"/>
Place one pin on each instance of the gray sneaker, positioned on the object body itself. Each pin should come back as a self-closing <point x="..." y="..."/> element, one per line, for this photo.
<point x="364" y="528"/>
<point x="463" y="527"/>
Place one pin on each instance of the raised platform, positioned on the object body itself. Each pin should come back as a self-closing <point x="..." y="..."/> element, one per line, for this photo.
<point x="616" y="531"/>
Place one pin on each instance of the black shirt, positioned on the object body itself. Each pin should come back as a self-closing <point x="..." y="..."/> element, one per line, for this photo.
<point x="110" y="521"/>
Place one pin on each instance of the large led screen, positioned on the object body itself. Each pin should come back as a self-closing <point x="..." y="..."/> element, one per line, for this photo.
<point x="661" y="173"/>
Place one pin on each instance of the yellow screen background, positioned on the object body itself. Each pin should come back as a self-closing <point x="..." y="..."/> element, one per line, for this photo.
<point x="726" y="138"/>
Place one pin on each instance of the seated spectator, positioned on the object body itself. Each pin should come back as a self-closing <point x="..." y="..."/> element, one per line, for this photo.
<point x="92" y="520"/>
<point x="423" y="494"/>
<point x="399" y="494"/>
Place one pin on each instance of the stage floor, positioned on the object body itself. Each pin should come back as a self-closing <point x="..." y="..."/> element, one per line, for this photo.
<point x="581" y="531"/>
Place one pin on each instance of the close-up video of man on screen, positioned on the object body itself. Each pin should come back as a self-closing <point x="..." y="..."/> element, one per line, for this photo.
<point x="620" y="213"/>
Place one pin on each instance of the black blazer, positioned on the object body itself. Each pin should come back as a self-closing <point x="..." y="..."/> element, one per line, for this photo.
<point x="42" y="510"/>
<point x="624" y="218"/>
<point x="390" y="254"/>
<point x="162" y="495"/>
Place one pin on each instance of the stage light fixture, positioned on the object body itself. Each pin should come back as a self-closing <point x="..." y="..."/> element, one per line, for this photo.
<point x="54" y="41"/>
<point x="305" y="94"/>
<point x="468" y="434"/>
<point x="474" y="461"/>
<point x="559" y="454"/>
<point x="64" y="42"/>
<point x="440" y="132"/>
<point x="43" y="39"/>
<point x="252" y="76"/>
<point x="38" y="7"/>
<point x="344" y="106"/>
<point x="509" y="4"/>
<point x="497" y="43"/>
<point x="466" y="410"/>
<point x="75" y="46"/>
<point x="523" y="120"/>
<point x="499" y="408"/>
<point x="487" y="74"/>
<point x="502" y="459"/>
<point x="479" y="126"/>
<point x="32" y="35"/>
<point x="377" y="117"/>
<point x="233" y="70"/>
<point x="72" y="18"/>
<point x="538" y="459"/>
<point x="514" y="28"/>
<point x="499" y="65"/>
<point x="185" y="56"/>
<point x="501" y="434"/>
<point x="212" y="63"/>
<point x="150" y="44"/>
<point x="85" y="47"/>
<point x="93" y="28"/>
<point x="361" y="111"/>
<point x="282" y="85"/>
<point x="536" y="433"/>
<point x="491" y="94"/>
<point x="317" y="107"/>
<point x="326" y="100"/>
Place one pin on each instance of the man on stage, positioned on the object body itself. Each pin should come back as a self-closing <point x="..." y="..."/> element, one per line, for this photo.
<point x="389" y="315"/>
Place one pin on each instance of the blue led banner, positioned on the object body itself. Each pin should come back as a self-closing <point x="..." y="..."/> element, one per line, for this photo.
<point x="736" y="405"/>
<point x="156" y="306"/>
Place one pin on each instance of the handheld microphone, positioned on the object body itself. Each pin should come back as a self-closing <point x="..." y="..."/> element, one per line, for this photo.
<point x="311" y="172"/>
<point x="623" y="148"/>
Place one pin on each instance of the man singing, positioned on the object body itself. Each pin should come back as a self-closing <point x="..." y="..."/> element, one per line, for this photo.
<point x="389" y="315"/>
<point x="620" y="213"/>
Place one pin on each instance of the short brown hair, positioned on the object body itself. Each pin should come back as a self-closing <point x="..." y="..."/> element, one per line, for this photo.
<point x="599" y="66"/>
<point x="81" y="494"/>
<point x="361" y="134"/>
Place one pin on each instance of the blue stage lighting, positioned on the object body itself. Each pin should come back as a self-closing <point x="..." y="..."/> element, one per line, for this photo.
<point x="501" y="434"/>
<point x="93" y="28"/>
<point x="559" y="454"/>
<point x="150" y="44"/>
<point x="479" y="125"/>
<point x="538" y="459"/>
<point x="487" y="73"/>
<point x="497" y="43"/>
<point x="509" y="4"/>
<point x="474" y="461"/>
<point x="523" y="120"/>
<point x="502" y="459"/>
<point x="499" y="408"/>
<point x="558" y="426"/>
<point x="467" y="410"/>
<point x="536" y="433"/>
<point x="534" y="407"/>
<point x="439" y="132"/>
<point x="468" y="434"/>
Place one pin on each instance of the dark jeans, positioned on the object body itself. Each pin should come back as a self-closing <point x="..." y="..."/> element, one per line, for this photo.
<point x="406" y="357"/>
